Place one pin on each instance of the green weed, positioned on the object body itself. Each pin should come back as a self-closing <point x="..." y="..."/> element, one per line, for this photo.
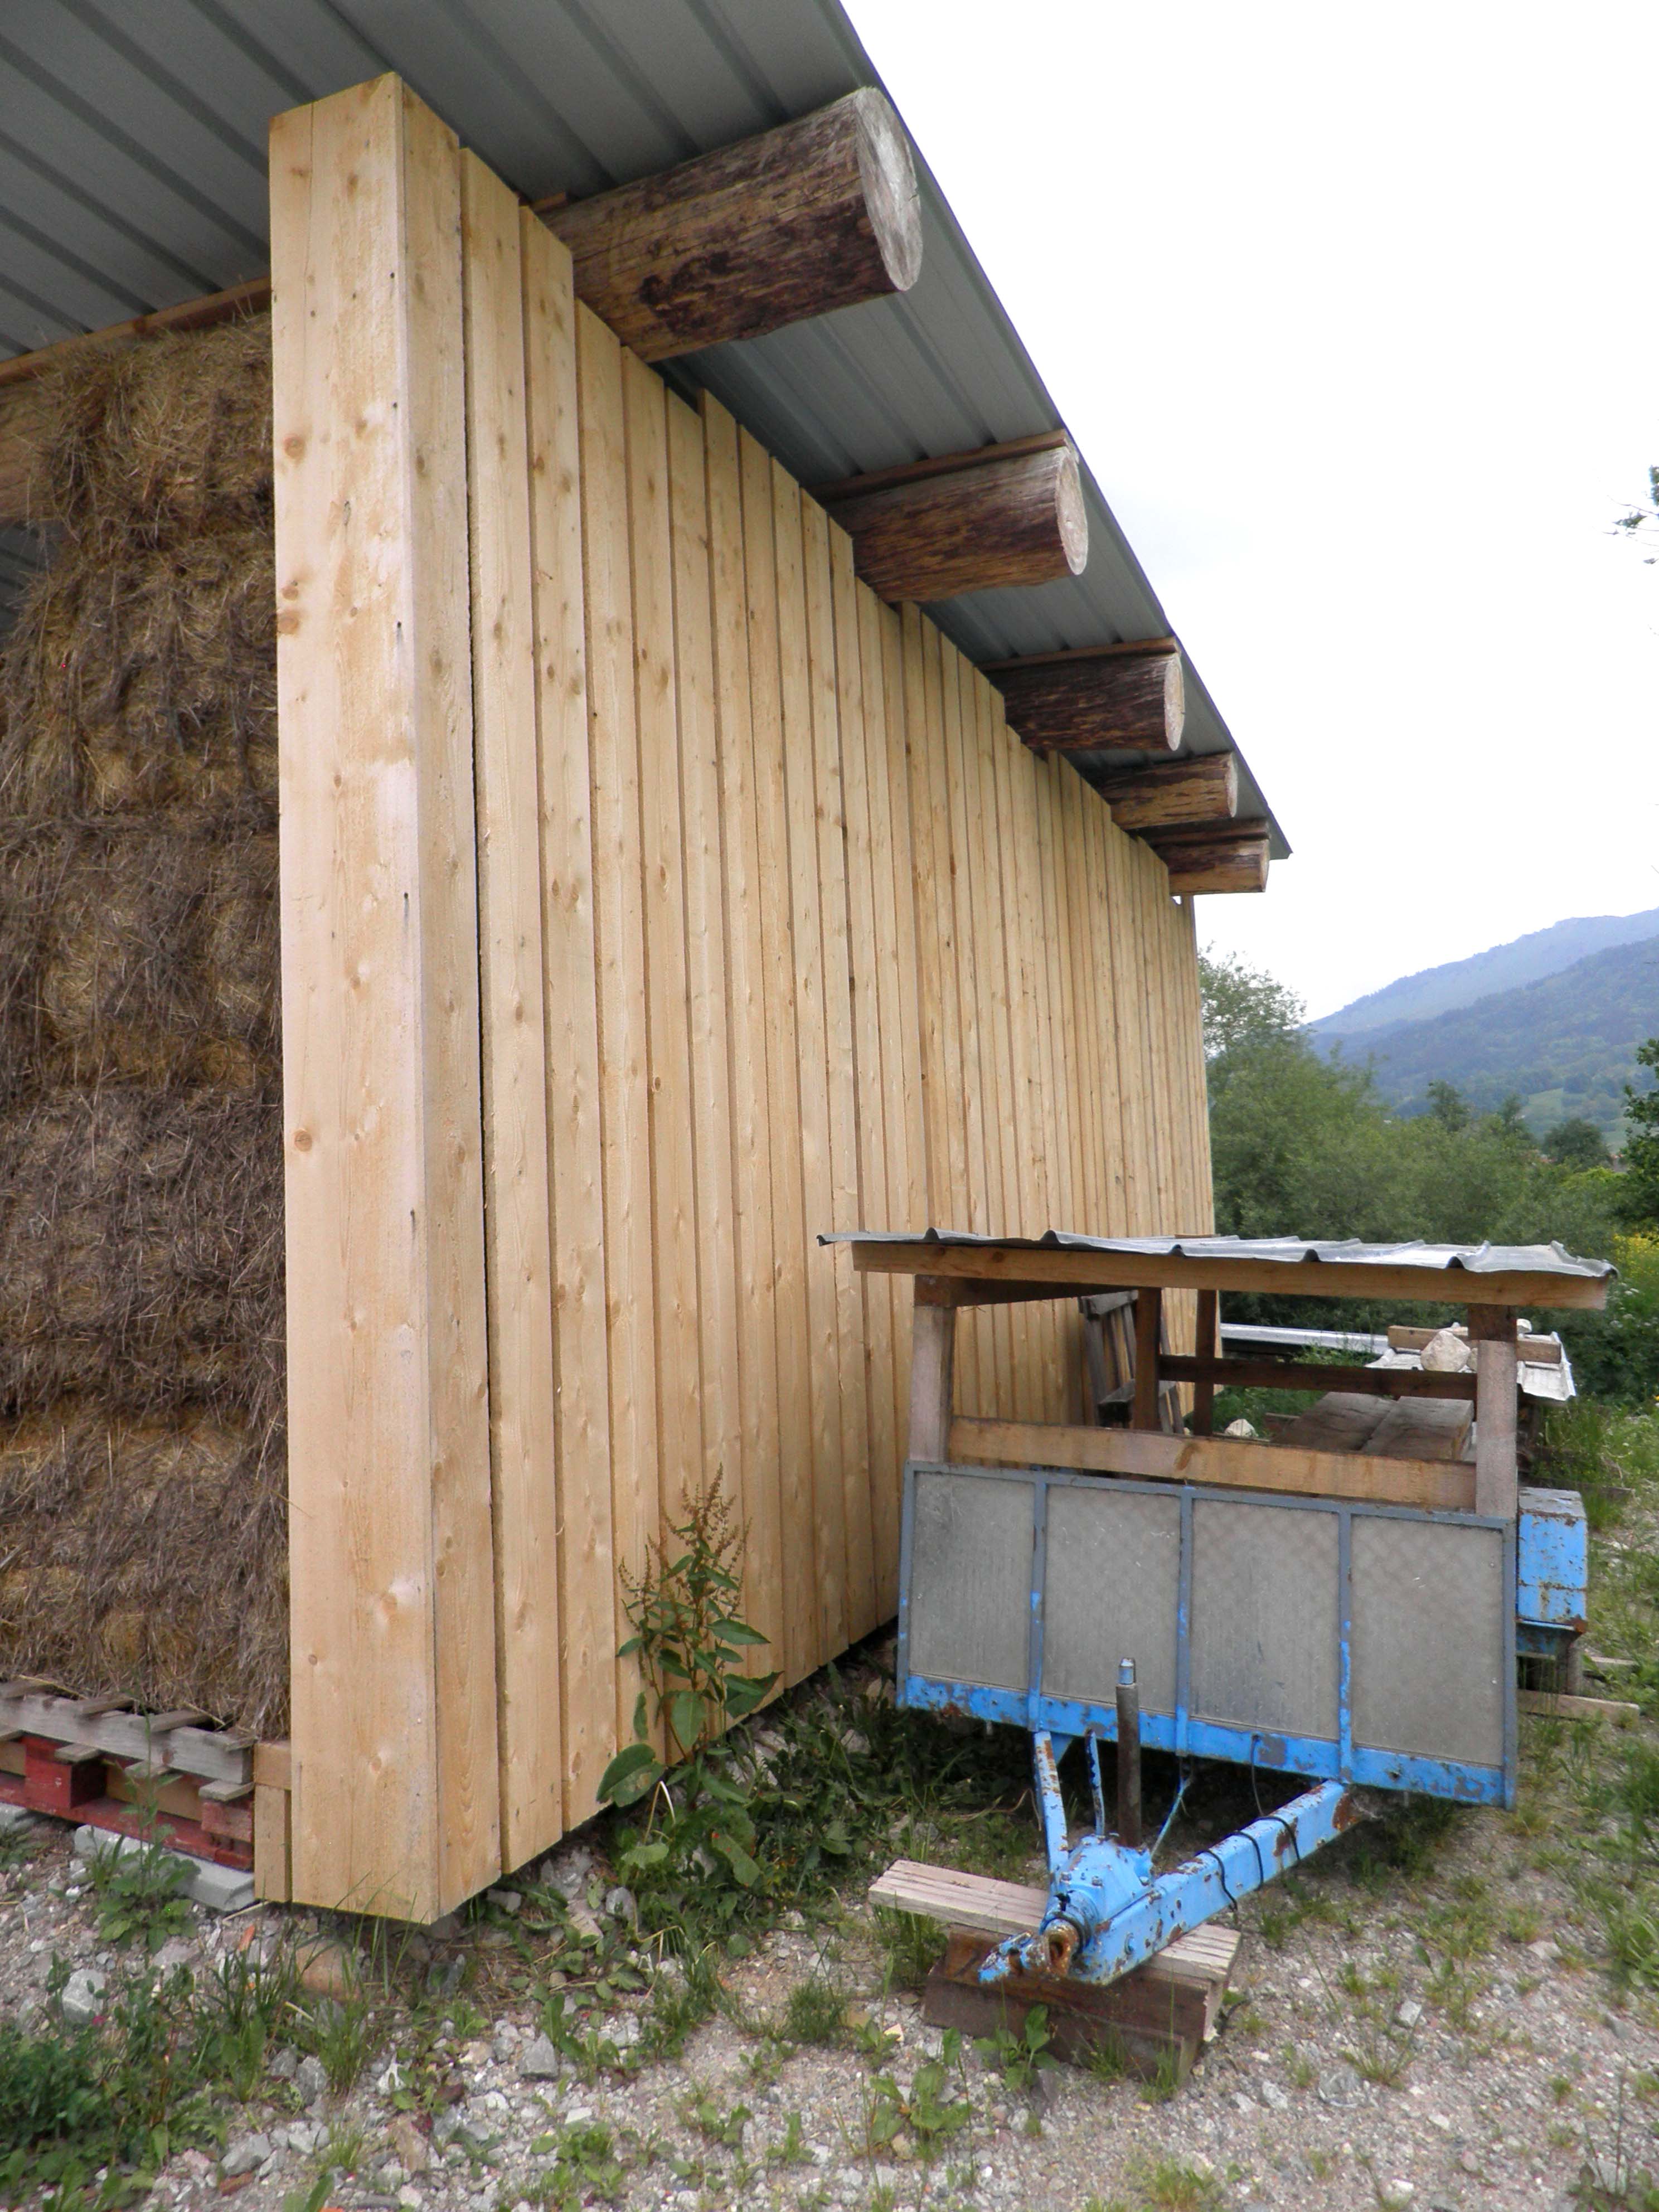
<point x="913" y="1943"/>
<point x="815" y="2012"/>
<point x="1019" y="2055"/>
<point x="139" y="1894"/>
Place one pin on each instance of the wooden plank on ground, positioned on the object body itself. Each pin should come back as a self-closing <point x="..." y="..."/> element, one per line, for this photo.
<point x="397" y="1802"/>
<point x="586" y="1569"/>
<point x="1234" y="1463"/>
<point x="1558" y="1705"/>
<point x="1422" y="1428"/>
<point x="619" y="946"/>
<point x="983" y="1905"/>
<point x="1155" y="2026"/>
<point x="517" y="1211"/>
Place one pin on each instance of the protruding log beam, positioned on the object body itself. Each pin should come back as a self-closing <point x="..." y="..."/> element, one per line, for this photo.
<point x="1172" y="796"/>
<point x="966" y="522"/>
<point x="1099" y="698"/>
<point x="821" y="213"/>
<point x="1225" y="856"/>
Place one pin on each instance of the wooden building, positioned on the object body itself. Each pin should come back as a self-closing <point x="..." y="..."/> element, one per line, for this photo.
<point x="669" y="873"/>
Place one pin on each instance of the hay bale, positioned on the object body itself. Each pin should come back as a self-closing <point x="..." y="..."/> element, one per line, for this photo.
<point x="146" y="1560"/>
<point x="168" y="436"/>
<point x="142" y="1537"/>
<point x="141" y="1253"/>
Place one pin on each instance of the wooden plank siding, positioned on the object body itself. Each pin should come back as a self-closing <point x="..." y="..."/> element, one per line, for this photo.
<point x="655" y="898"/>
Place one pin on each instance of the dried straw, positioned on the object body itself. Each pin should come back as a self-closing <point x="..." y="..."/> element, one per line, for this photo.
<point x="142" y="1535"/>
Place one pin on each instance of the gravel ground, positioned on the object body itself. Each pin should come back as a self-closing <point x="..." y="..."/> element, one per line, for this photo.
<point x="1436" y="2037"/>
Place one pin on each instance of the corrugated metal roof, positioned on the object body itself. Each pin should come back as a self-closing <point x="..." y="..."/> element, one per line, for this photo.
<point x="1273" y="1251"/>
<point x="132" y="176"/>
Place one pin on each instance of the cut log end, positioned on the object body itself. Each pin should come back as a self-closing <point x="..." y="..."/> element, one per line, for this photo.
<point x="992" y="522"/>
<point x="1168" y="797"/>
<point x="1071" y="514"/>
<point x="890" y="198"/>
<point x="1096" y="701"/>
<point x="819" y="214"/>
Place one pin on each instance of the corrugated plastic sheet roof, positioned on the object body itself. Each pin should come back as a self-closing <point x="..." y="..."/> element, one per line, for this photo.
<point x="132" y="176"/>
<point x="1275" y="1251"/>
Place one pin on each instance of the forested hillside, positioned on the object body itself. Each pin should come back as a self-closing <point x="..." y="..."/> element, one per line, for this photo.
<point x="1502" y="968"/>
<point x="1565" y="1046"/>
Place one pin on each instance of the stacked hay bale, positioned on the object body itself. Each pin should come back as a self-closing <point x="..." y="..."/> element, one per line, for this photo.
<point x="142" y="1529"/>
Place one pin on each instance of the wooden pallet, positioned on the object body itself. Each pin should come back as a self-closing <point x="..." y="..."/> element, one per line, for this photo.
<point x="170" y="1778"/>
<point x="1156" y="2019"/>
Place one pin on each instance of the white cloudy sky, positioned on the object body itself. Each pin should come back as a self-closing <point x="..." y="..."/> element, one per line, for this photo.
<point x="1355" y="312"/>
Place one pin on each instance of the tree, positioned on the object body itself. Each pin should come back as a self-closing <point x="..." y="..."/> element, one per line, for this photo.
<point x="1509" y="1121"/>
<point x="1576" y="1143"/>
<point x="1638" y="1191"/>
<point x="1448" y="1105"/>
<point x="1241" y="1003"/>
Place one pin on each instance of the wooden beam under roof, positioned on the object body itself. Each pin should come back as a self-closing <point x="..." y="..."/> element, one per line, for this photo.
<point x="979" y="521"/>
<point x="821" y="213"/>
<point x="1215" y="856"/>
<point x="1169" y="797"/>
<point x="1098" y="698"/>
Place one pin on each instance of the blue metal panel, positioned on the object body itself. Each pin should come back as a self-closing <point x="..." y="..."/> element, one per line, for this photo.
<point x="1332" y="1759"/>
<point x="1553" y="1560"/>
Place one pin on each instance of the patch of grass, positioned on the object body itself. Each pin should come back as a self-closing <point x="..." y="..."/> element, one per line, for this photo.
<point x="1173" y="2184"/>
<point x="816" y="2012"/>
<point x="914" y="1945"/>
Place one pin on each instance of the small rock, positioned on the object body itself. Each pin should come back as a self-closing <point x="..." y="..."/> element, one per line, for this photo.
<point x="1544" y="1951"/>
<point x="1467" y="2160"/>
<point x="886" y="2177"/>
<point x="1245" y="2104"/>
<point x="305" y="2136"/>
<point x="410" y="2198"/>
<point x="174" y="1953"/>
<point x="508" y="1900"/>
<point x="413" y="2151"/>
<point x="445" y="1928"/>
<point x="624" y="2030"/>
<point x="1408" y="2012"/>
<point x="244" y="2154"/>
<point x="1394" y="2195"/>
<point x="542" y="2062"/>
<point x="1274" y="2098"/>
<point x="619" y="1904"/>
<point x="327" y="1970"/>
<point x="79" y="2002"/>
<point x="311" y="2079"/>
<point x="1341" y="2086"/>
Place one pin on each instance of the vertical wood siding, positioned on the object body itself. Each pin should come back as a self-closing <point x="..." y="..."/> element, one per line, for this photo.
<point x="719" y="908"/>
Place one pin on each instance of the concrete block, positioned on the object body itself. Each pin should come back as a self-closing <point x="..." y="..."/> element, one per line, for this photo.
<point x="15" y="1820"/>
<point x="220" y="1889"/>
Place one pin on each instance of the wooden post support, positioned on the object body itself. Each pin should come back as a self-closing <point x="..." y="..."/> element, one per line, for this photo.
<point x="1149" y="1326"/>
<point x="932" y="1372"/>
<point x="396" y="1797"/>
<point x="1203" y="1392"/>
<point x="1492" y="1333"/>
<point x="821" y="213"/>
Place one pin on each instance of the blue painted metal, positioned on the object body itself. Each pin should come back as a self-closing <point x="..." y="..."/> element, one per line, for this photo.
<point x="1551" y="1560"/>
<point x="1338" y="1759"/>
<point x="1106" y="1913"/>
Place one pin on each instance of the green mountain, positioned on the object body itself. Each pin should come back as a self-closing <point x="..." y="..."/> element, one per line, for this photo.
<point x="1564" y="1045"/>
<point x="1461" y="982"/>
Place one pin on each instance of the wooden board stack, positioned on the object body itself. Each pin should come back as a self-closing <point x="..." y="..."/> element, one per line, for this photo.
<point x="173" y="1779"/>
<point x="1156" y="2019"/>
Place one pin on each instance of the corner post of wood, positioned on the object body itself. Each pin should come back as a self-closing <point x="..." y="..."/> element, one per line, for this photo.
<point x="396" y="1803"/>
<point x="1149" y="1328"/>
<point x="933" y="1367"/>
<point x="1492" y="1333"/>
<point x="1207" y="1346"/>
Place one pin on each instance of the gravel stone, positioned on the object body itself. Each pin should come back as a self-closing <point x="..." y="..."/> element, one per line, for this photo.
<point x="82" y="1992"/>
<point x="244" y="2154"/>
<point x="311" y="2079"/>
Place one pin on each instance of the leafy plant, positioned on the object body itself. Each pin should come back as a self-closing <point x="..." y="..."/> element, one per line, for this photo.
<point x="929" y="2110"/>
<point x="139" y="1894"/>
<point x="689" y="1638"/>
<point x="1020" y="2057"/>
<point x="585" y="2167"/>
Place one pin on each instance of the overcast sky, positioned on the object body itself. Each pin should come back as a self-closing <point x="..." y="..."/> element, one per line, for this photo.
<point x="1353" y="312"/>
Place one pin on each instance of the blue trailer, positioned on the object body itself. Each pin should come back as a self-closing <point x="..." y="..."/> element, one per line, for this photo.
<point x="1351" y="1619"/>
